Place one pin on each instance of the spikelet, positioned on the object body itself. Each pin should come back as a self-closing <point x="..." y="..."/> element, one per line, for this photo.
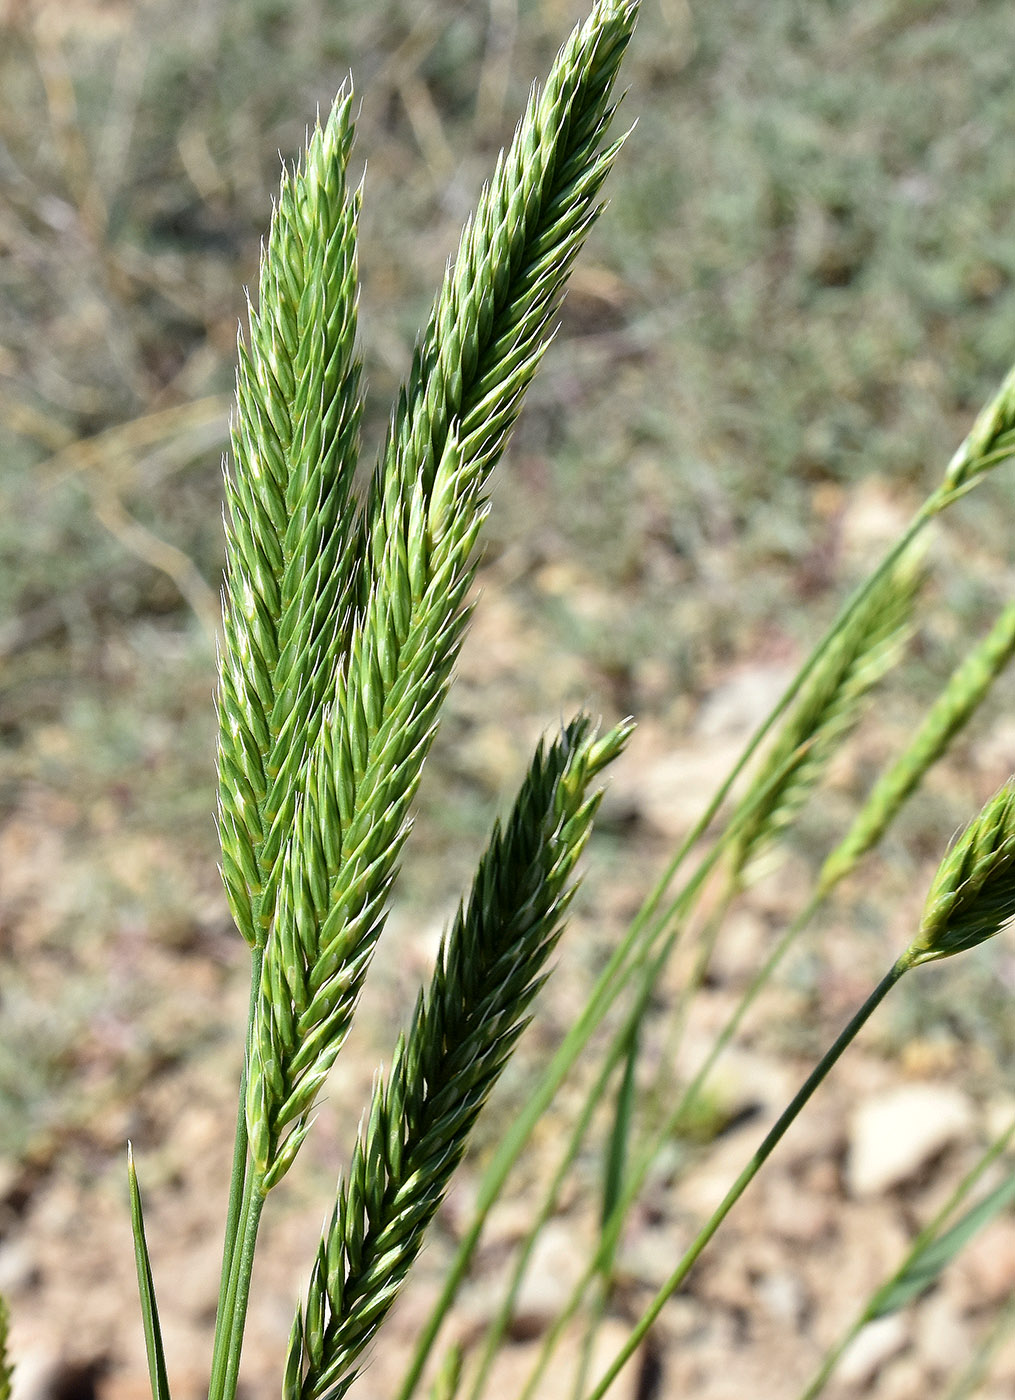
<point x="492" y="319"/>
<point x="972" y="896"/>
<point x="331" y="834"/>
<point x="491" y="964"/>
<point x="990" y="441"/>
<point x="967" y="686"/>
<point x="291" y="545"/>
<point x="339" y="860"/>
<point x="826" y="709"/>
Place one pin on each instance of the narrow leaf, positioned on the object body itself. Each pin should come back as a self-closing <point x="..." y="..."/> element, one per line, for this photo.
<point x="616" y="1148"/>
<point x="449" y="1377"/>
<point x="925" y="1266"/>
<point x="6" y="1369"/>
<point x="146" y="1288"/>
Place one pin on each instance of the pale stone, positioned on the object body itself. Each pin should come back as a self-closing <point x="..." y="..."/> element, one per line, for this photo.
<point x="895" y="1134"/>
<point x="673" y="794"/>
<point x="784" y="1297"/>
<point x="868" y="1353"/>
<point x="557" y="1262"/>
<point x="18" y="1267"/>
<point x="739" y="704"/>
<point x="987" y="1264"/>
<point x="943" y="1340"/>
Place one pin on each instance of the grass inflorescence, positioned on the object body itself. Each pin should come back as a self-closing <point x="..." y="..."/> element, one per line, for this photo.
<point x="346" y="604"/>
<point x="343" y="621"/>
<point x="463" y="1030"/>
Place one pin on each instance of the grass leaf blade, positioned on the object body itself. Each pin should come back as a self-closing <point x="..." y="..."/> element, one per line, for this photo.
<point x="6" y="1369"/>
<point x="926" y="1266"/>
<point x="146" y="1288"/>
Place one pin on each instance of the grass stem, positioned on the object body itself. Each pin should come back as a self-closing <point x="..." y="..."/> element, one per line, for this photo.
<point x="239" y="1174"/>
<point x="770" y="1142"/>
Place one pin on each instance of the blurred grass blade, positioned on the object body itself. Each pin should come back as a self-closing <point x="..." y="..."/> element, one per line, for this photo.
<point x="934" y="1231"/>
<point x="614" y="1178"/>
<point x="6" y="1369"/>
<point x="972" y="1375"/>
<point x="771" y="1140"/>
<point x="146" y="1288"/>
<point x="828" y="706"/>
<point x="620" y="1135"/>
<point x="449" y="1378"/>
<point x="926" y="1265"/>
<point x="967" y="687"/>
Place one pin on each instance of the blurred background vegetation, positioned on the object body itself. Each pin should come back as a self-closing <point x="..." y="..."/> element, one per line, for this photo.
<point x="801" y="293"/>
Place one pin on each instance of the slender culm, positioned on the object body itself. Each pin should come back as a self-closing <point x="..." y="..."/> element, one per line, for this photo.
<point x="6" y="1370"/>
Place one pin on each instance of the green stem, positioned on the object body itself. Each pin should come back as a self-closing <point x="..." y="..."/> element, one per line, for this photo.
<point x="626" y="959"/>
<point x="924" y="1238"/>
<point x="702" y="961"/>
<point x="935" y="503"/>
<point x="239" y="1291"/>
<point x="239" y="1186"/>
<point x="678" y="909"/>
<point x="625" y="962"/>
<point x="232" y="1313"/>
<point x="610" y="1235"/>
<point x="972" y="1375"/>
<point x="786" y="1118"/>
<point x="634" y="951"/>
<point x="596" y="1315"/>
<point x="498" y="1327"/>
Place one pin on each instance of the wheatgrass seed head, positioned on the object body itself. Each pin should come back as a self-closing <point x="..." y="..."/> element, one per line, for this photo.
<point x="967" y="687"/>
<point x="990" y="441"/>
<point x="493" y="960"/>
<point x="867" y="645"/>
<point x="972" y="896"/>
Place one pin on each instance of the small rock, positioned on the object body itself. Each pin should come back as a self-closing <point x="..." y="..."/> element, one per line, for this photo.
<point x="895" y="1134"/>
<point x="18" y="1267"/>
<point x="943" y="1341"/>
<point x="555" y="1267"/>
<point x="673" y="793"/>
<point x="784" y="1297"/>
<point x="868" y="1353"/>
<point x="987" y="1264"/>
<point x="742" y="700"/>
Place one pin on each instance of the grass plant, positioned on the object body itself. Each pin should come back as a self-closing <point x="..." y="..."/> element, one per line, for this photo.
<point x="348" y="594"/>
<point x="343" y="623"/>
